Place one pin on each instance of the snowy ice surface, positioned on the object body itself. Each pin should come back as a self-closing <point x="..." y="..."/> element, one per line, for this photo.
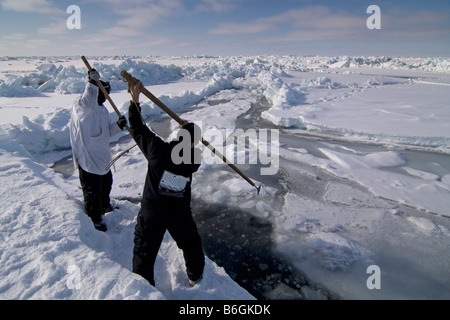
<point x="364" y="174"/>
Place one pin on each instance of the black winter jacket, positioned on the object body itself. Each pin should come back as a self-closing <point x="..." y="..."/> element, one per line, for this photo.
<point x="166" y="184"/>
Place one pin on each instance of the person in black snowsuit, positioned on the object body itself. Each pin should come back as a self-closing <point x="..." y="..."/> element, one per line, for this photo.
<point x="166" y="199"/>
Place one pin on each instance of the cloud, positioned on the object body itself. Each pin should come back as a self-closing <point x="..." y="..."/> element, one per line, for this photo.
<point x="113" y="34"/>
<point x="36" y="43"/>
<point x="36" y="6"/>
<point x="322" y="23"/>
<point x="55" y="28"/>
<point x="321" y="18"/>
<point x="242" y="28"/>
<point x="308" y="35"/>
<point x="312" y="18"/>
<point x="132" y="21"/>
<point x="424" y="23"/>
<point x="141" y="13"/>
<point x="13" y="40"/>
<point x="15" y="37"/>
<point x="217" y="5"/>
<point x="317" y="23"/>
<point x="146" y="16"/>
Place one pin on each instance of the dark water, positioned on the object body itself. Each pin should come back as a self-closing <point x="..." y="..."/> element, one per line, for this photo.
<point x="241" y="243"/>
<point x="64" y="166"/>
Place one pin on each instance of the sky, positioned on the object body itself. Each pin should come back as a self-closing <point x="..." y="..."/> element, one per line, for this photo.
<point x="225" y="27"/>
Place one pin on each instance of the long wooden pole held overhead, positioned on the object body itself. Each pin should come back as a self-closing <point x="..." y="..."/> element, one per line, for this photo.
<point x="132" y="81"/>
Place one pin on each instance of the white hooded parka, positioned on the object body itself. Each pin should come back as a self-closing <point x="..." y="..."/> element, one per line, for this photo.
<point x="90" y="131"/>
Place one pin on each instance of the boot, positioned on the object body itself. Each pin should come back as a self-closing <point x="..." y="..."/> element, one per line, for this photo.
<point x="99" y="224"/>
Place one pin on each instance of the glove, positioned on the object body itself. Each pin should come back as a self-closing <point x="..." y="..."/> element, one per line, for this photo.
<point x="93" y="76"/>
<point x="122" y="122"/>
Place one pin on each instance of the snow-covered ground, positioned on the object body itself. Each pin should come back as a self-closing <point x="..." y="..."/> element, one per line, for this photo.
<point x="363" y="179"/>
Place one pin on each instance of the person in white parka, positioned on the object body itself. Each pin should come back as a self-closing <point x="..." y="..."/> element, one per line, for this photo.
<point x="90" y="132"/>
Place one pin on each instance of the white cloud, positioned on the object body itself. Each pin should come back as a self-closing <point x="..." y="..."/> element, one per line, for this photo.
<point x="242" y="28"/>
<point x="145" y="16"/>
<point x="15" y="37"/>
<point x="36" y="6"/>
<point x="142" y="13"/>
<point x="12" y="40"/>
<point x="58" y="27"/>
<point x="113" y="34"/>
<point x="421" y="24"/>
<point x="217" y="5"/>
<point x="310" y="18"/>
<point x="309" y="35"/>
<point x="318" y="17"/>
<point x="322" y="23"/>
<point x="133" y="17"/>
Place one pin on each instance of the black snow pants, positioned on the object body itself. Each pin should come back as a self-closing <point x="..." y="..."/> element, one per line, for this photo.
<point x="151" y="226"/>
<point x="96" y="190"/>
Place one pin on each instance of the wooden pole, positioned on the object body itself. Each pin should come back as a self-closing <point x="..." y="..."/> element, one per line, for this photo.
<point x="132" y="81"/>
<point x="100" y="85"/>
